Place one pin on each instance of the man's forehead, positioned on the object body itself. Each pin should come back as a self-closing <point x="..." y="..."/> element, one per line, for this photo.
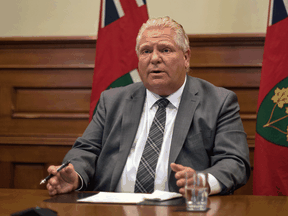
<point x="157" y="33"/>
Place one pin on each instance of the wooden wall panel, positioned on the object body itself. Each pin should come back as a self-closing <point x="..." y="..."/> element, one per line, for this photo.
<point x="52" y="100"/>
<point x="229" y="77"/>
<point x="248" y="99"/>
<point x="32" y="153"/>
<point x="51" y="103"/>
<point x="26" y="176"/>
<point x="45" y="86"/>
<point x="7" y="174"/>
<point x="226" y="56"/>
<point x="249" y="127"/>
<point x="25" y="165"/>
<point x="47" y="77"/>
<point x="45" y="57"/>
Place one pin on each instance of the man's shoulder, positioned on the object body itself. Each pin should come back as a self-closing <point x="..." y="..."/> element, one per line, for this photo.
<point x="123" y="91"/>
<point x="207" y="88"/>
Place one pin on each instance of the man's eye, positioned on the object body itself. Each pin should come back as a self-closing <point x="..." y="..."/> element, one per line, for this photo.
<point x="145" y="51"/>
<point x="166" y="50"/>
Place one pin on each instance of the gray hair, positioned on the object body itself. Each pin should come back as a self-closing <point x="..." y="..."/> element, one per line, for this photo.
<point x="181" y="38"/>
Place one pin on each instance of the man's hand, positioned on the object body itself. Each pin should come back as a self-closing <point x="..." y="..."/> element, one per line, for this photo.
<point x="180" y="175"/>
<point x="63" y="181"/>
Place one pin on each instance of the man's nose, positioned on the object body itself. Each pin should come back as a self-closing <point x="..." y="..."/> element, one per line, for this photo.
<point x="155" y="57"/>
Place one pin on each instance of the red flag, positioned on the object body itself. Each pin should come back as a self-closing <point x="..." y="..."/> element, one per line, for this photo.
<point x="116" y="60"/>
<point x="270" y="175"/>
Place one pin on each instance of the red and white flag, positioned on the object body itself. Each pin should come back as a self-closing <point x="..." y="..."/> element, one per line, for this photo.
<point x="116" y="60"/>
<point x="270" y="176"/>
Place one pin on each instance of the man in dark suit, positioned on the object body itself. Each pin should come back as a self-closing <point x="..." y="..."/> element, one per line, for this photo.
<point x="203" y="130"/>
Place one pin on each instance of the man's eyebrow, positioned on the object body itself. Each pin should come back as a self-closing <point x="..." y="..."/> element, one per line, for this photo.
<point x="144" y="45"/>
<point x="160" y="43"/>
<point x="166" y="43"/>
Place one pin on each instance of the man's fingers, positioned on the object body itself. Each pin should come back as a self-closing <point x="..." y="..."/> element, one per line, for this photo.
<point x="180" y="170"/>
<point x="176" y="167"/>
<point x="180" y="182"/>
<point x="53" y="181"/>
<point x="182" y="191"/>
<point x="52" y="169"/>
<point x="58" y="189"/>
<point x="51" y="190"/>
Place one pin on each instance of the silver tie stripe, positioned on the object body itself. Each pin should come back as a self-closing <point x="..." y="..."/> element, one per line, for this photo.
<point x="146" y="170"/>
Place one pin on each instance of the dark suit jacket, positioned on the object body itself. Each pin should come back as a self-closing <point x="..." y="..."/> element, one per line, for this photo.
<point x="208" y="136"/>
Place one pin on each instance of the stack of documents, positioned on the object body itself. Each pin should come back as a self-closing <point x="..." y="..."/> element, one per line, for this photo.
<point x="111" y="197"/>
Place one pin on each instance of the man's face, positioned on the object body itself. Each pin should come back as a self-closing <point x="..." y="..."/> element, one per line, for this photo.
<point x="162" y="64"/>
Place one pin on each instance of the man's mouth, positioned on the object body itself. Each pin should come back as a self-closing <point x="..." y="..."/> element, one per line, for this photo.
<point x="156" y="71"/>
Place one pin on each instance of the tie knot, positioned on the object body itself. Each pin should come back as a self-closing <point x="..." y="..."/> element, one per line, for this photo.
<point x="163" y="102"/>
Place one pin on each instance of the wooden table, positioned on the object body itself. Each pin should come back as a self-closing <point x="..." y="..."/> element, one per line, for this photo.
<point x="13" y="200"/>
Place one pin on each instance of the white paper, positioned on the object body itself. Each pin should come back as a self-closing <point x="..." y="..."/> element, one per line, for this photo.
<point x="111" y="197"/>
<point x="162" y="195"/>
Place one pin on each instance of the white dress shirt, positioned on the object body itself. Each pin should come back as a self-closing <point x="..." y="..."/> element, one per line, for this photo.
<point x="128" y="178"/>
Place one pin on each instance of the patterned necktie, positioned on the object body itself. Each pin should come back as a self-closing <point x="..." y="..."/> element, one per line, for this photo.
<point x="146" y="170"/>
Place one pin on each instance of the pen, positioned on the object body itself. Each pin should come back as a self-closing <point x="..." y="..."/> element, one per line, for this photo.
<point x="58" y="170"/>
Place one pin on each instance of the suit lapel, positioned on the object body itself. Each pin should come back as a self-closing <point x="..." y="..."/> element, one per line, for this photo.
<point x="130" y="121"/>
<point x="187" y="107"/>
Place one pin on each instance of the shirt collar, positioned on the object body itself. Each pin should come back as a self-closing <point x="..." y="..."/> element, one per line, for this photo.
<point x="174" y="98"/>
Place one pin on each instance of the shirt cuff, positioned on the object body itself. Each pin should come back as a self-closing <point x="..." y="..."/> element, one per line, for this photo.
<point x="81" y="184"/>
<point x="214" y="184"/>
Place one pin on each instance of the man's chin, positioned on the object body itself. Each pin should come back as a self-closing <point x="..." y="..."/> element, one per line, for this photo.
<point x="159" y="88"/>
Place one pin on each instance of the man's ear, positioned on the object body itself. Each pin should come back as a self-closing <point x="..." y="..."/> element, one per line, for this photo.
<point x="187" y="58"/>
